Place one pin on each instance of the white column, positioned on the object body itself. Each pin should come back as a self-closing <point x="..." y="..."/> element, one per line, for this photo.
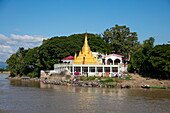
<point x="110" y="69"/>
<point x="73" y="70"/>
<point x="88" y="71"/>
<point x="103" y="71"/>
<point x="118" y="67"/>
<point x="81" y="70"/>
<point x="57" y="70"/>
<point x="95" y="69"/>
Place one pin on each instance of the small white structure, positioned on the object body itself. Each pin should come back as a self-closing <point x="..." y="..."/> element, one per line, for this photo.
<point x="114" y="59"/>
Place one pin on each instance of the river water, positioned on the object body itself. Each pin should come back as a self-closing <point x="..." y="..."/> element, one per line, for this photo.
<point x="32" y="97"/>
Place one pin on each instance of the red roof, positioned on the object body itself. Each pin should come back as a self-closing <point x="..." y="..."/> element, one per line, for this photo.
<point x="119" y="54"/>
<point x="68" y="58"/>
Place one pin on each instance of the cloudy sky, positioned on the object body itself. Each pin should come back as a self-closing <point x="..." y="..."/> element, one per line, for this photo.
<point x="9" y="45"/>
<point x="25" y="23"/>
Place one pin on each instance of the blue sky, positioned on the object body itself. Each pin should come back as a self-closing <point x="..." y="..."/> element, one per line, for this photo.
<point x="25" y="23"/>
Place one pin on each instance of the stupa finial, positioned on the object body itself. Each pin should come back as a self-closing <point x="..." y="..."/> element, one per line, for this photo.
<point x="75" y="56"/>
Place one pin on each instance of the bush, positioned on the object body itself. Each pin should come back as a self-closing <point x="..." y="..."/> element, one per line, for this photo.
<point x="107" y="80"/>
<point x="32" y="75"/>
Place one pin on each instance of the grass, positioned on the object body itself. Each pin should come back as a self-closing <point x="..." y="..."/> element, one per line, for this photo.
<point x="107" y="81"/>
<point x="159" y="87"/>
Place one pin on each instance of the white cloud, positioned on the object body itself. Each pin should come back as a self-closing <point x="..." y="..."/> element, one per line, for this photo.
<point x="27" y="38"/>
<point x="9" y="45"/>
<point x="4" y="46"/>
<point x="3" y="37"/>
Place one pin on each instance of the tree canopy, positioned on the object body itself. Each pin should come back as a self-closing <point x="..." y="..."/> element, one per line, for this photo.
<point x="122" y="40"/>
<point x="16" y="63"/>
<point x="151" y="61"/>
<point x="160" y="60"/>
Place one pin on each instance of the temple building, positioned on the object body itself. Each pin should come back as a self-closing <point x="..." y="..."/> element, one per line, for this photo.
<point x="88" y="64"/>
<point x="85" y="56"/>
<point x="68" y="59"/>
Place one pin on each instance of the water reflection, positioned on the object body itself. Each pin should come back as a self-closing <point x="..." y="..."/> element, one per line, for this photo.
<point x="34" y="97"/>
<point x="25" y="83"/>
<point x="119" y="93"/>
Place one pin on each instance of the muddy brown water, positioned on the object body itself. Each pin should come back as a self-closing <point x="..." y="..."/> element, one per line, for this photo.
<point x="32" y="97"/>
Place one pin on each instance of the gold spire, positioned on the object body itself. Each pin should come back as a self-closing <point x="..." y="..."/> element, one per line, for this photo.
<point x="75" y="56"/>
<point x="86" y="56"/>
<point x="86" y="47"/>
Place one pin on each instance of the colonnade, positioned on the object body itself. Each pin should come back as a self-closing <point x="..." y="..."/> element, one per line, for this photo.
<point x="87" y="69"/>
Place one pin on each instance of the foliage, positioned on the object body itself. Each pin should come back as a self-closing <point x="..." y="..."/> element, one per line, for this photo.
<point x="16" y="63"/>
<point x="89" y="78"/>
<point x="139" y="61"/>
<point x="121" y="40"/>
<point x="150" y="61"/>
<point x="160" y="60"/>
<point x="107" y="80"/>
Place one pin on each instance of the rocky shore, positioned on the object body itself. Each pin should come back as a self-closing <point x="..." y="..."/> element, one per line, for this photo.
<point x="85" y="83"/>
<point x="132" y="81"/>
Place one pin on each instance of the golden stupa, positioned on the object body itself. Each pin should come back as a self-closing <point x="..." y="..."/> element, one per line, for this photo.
<point x="85" y="56"/>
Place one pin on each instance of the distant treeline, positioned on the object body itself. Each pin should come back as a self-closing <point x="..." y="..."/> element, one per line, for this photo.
<point x="144" y="58"/>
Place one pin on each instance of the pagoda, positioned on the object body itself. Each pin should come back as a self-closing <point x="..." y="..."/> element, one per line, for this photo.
<point x="85" y="56"/>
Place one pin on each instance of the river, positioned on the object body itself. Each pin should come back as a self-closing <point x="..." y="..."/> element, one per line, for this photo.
<point x="33" y="97"/>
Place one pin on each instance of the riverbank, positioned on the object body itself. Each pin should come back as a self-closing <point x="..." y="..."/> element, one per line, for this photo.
<point x="4" y="72"/>
<point x="23" y="78"/>
<point x="138" y="81"/>
<point x="130" y="81"/>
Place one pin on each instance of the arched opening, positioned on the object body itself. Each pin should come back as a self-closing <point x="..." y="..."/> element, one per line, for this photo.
<point x="116" y="61"/>
<point x="109" y="62"/>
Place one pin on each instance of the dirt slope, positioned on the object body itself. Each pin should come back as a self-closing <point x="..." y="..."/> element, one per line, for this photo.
<point x="139" y="81"/>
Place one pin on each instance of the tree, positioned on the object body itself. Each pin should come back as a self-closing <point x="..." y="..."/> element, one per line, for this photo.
<point x="98" y="45"/>
<point x="16" y="63"/>
<point x="160" y="59"/>
<point x="31" y="59"/>
<point x="152" y="61"/>
<point x="148" y="45"/>
<point x="137" y="60"/>
<point x="121" y="40"/>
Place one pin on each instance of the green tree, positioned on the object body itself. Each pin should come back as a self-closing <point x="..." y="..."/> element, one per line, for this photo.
<point x="121" y="40"/>
<point x="16" y="63"/>
<point x="31" y="60"/>
<point x="160" y="59"/>
<point x="140" y="59"/>
<point x="137" y="60"/>
<point x="97" y="44"/>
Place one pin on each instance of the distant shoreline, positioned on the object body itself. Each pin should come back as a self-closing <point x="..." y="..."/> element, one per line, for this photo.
<point x="4" y="72"/>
